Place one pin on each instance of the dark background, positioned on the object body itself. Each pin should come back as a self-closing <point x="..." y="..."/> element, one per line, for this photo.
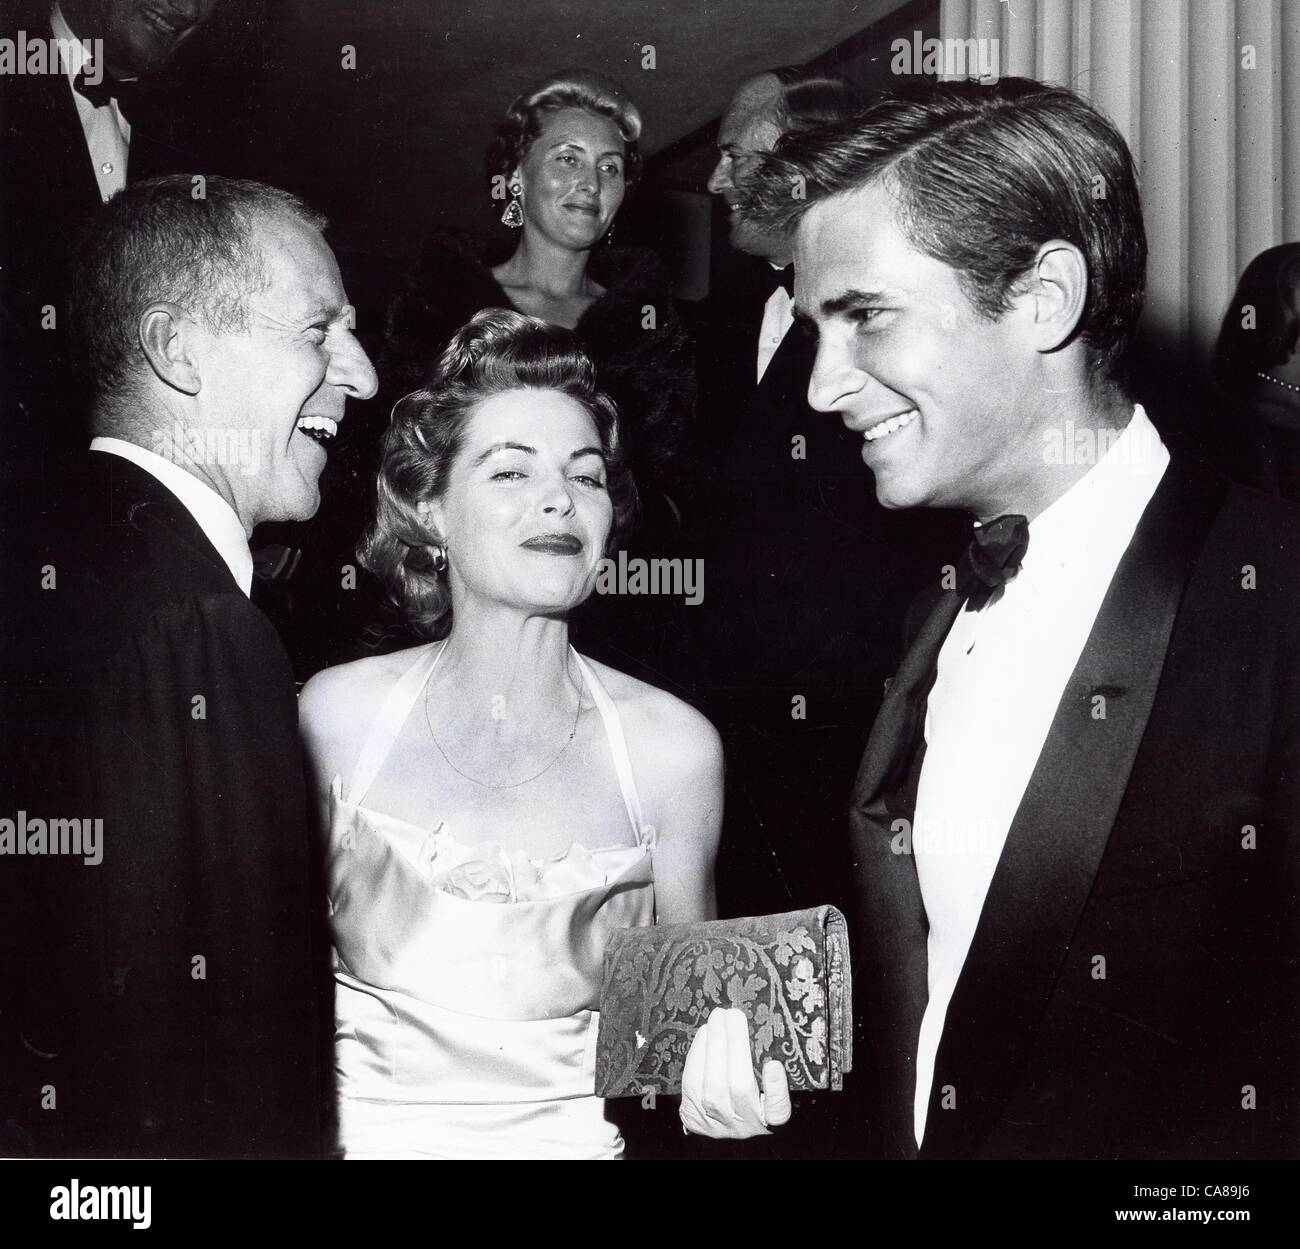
<point x="394" y="148"/>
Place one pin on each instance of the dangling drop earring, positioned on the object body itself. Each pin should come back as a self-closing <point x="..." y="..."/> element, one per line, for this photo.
<point x="437" y="549"/>
<point x="513" y="216"/>
<point x="609" y="235"/>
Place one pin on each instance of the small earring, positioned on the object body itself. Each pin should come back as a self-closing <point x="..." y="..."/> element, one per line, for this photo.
<point x="514" y="213"/>
<point x="440" y="559"/>
<point x="609" y="235"/>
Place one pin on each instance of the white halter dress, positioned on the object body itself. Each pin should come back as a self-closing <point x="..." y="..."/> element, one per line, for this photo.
<point x="467" y="976"/>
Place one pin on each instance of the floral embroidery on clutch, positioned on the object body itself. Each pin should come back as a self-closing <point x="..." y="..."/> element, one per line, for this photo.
<point x="789" y="973"/>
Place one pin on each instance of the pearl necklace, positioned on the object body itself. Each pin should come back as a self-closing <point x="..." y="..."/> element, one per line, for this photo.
<point x="1277" y="381"/>
<point x="573" y="732"/>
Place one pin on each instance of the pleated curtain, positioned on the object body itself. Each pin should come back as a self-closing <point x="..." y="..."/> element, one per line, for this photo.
<point x="1207" y="93"/>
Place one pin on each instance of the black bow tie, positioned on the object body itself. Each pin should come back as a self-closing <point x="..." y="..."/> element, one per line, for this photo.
<point x="126" y="91"/>
<point x="781" y="277"/>
<point x="992" y="559"/>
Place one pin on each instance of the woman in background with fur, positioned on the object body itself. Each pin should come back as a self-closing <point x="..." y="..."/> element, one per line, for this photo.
<point x="564" y="156"/>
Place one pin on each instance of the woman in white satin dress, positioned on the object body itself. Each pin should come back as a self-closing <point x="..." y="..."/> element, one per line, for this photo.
<point x="496" y="805"/>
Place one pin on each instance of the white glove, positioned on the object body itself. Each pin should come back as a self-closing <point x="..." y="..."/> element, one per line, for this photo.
<point x="720" y="1097"/>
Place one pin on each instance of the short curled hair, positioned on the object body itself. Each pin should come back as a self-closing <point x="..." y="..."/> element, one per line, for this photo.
<point x="158" y="240"/>
<point x="1247" y="345"/>
<point x="983" y="176"/>
<point x="495" y="352"/>
<point x="570" y="88"/>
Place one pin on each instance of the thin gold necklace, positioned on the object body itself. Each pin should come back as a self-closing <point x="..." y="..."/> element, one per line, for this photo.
<point x="573" y="732"/>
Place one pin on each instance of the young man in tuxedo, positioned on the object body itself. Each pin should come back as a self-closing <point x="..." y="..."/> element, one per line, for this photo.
<point x="1074" y="829"/>
<point x="809" y="577"/>
<point x="172" y="998"/>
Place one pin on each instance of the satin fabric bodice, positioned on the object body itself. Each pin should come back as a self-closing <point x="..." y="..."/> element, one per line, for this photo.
<point x="468" y="975"/>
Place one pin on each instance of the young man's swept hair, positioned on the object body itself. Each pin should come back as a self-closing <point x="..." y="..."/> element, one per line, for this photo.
<point x="983" y="176"/>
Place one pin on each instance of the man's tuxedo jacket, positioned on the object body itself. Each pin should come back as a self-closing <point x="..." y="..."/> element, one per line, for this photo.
<point x="176" y="996"/>
<point x="1131" y="990"/>
<point x="48" y="192"/>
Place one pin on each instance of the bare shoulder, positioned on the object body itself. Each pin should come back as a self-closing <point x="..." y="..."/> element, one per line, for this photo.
<point x="678" y="764"/>
<point x="338" y="705"/>
<point x="677" y="741"/>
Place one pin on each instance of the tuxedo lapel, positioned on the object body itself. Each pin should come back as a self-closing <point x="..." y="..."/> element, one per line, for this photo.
<point x="785" y="380"/>
<point x="896" y="734"/>
<point x="1060" y="831"/>
<point x="891" y="928"/>
<point x="47" y="164"/>
<point x="62" y="155"/>
<point x="778" y="410"/>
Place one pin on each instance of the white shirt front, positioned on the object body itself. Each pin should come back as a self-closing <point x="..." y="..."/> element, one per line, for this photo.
<point x="1001" y="674"/>
<point x="108" y="133"/>
<point x="778" y="317"/>
<point x="218" y="520"/>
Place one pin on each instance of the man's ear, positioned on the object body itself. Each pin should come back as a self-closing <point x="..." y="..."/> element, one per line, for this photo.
<point x="168" y="337"/>
<point x="1056" y="286"/>
<point x="767" y="134"/>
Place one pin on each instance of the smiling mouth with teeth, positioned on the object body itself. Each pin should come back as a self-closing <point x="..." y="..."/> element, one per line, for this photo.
<point x="161" y="22"/>
<point x="885" y="428"/>
<point x="321" y="429"/>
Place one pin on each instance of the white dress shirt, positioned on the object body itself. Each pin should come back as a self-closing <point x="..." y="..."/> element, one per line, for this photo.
<point x="108" y="133"/>
<point x="778" y="317"/>
<point x="1001" y="674"/>
<point x="220" y="525"/>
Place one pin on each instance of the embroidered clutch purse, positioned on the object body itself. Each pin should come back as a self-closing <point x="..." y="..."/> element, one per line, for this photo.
<point x="789" y="974"/>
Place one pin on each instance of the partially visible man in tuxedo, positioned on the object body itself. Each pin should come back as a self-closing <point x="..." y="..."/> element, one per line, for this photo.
<point x="172" y="997"/>
<point x="749" y="316"/>
<point x="808" y="576"/>
<point x="71" y="136"/>
<point x="1075" y="826"/>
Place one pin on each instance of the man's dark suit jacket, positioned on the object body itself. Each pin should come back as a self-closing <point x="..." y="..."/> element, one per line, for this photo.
<point x="47" y="193"/>
<point x="1158" y="833"/>
<point x="176" y="996"/>
<point x="807" y="583"/>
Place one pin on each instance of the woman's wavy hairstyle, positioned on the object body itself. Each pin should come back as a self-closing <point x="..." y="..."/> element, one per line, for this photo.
<point x="1254" y="342"/>
<point x="570" y="88"/>
<point x="496" y="351"/>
